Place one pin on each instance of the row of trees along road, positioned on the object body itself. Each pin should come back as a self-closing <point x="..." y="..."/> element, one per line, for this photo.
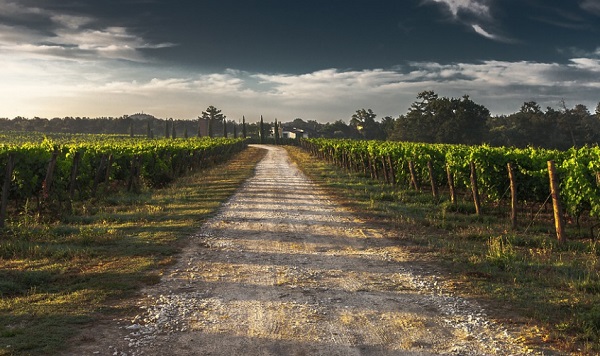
<point x="431" y="119"/>
<point x="137" y="124"/>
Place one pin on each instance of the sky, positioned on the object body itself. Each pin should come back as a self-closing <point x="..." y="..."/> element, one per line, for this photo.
<point x="311" y="59"/>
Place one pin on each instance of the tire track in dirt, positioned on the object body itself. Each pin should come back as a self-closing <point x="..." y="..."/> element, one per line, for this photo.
<point x="282" y="270"/>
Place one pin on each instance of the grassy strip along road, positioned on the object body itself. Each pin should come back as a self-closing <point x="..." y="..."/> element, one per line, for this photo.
<point x="58" y="277"/>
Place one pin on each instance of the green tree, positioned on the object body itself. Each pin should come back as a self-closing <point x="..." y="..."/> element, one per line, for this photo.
<point x="582" y="124"/>
<point x="213" y="115"/>
<point x="419" y="123"/>
<point x="443" y="120"/>
<point x="364" y="121"/>
<point x="466" y="124"/>
<point x="387" y="125"/>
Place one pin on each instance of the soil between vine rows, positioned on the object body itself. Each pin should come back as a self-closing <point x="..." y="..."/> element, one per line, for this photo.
<point x="282" y="270"/>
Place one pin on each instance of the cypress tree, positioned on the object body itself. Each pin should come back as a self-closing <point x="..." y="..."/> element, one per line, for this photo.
<point x="262" y="130"/>
<point x="224" y="128"/>
<point x="244" y="126"/>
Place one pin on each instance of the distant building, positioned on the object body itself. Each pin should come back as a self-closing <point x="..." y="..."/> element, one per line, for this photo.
<point x="294" y="133"/>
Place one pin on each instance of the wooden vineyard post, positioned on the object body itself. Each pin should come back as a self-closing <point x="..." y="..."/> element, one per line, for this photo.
<point x="108" y="168"/>
<point x="99" y="174"/>
<point x="555" y="192"/>
<point x="49" y="175"/>
<point x="385" y="170"/>
<point x="434" y="189"/>
<point x="513" y="197"/>
<point x="375" y="167"/>
<point x="413" y="175"/>
<point x="372" y="168"/>
<point x="74" y="169"/>
<point x="391" y="167"/>
<point x="475" y="189"/>
<point x="451" y="185"/>
<point x="134" y="174"/>
<point x="10" y="165"/>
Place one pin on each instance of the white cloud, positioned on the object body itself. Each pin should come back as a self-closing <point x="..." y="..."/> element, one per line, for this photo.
<point x="484" y="33"/>
<point x="479" y="10"/>
<point x="590" y="64"/>
<point x="477" y="7"/>
<point x="329" y="83"/>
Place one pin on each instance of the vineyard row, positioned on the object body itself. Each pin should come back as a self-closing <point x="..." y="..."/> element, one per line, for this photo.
<point x="49" y="176"/>
<point x="466" y="167"/>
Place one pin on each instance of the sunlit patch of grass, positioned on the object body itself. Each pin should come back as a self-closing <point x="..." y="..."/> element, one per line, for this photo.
<point x="56" y="276"/>
<point x="501" y="252"/>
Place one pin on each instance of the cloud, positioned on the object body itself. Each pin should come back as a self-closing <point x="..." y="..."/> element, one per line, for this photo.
<point x="589" y="64"/>
<point x="57" y="87"/>
<point x="592" y="6"/>
<point x="471" y="13"/>
<point x="484" y="33"/>
<point x="70" y="21"/>
<point x="16" y="11"/>
<point x="476" y="7"/>
<point x="67" y="36"/>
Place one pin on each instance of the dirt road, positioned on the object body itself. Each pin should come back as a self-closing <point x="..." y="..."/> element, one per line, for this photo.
<point x="281" y="270"/>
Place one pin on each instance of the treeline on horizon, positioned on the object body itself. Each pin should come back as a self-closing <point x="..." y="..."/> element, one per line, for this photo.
<point x="430" y="119"/>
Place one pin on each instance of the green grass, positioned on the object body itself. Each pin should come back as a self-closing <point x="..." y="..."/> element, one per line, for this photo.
<point x="524" y="277"/>
<point x="56" y="276"/>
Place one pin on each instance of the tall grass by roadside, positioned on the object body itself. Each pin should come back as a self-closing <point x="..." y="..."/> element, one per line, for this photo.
<point x="55" y="277"/>
<point x="550" y="292"/>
